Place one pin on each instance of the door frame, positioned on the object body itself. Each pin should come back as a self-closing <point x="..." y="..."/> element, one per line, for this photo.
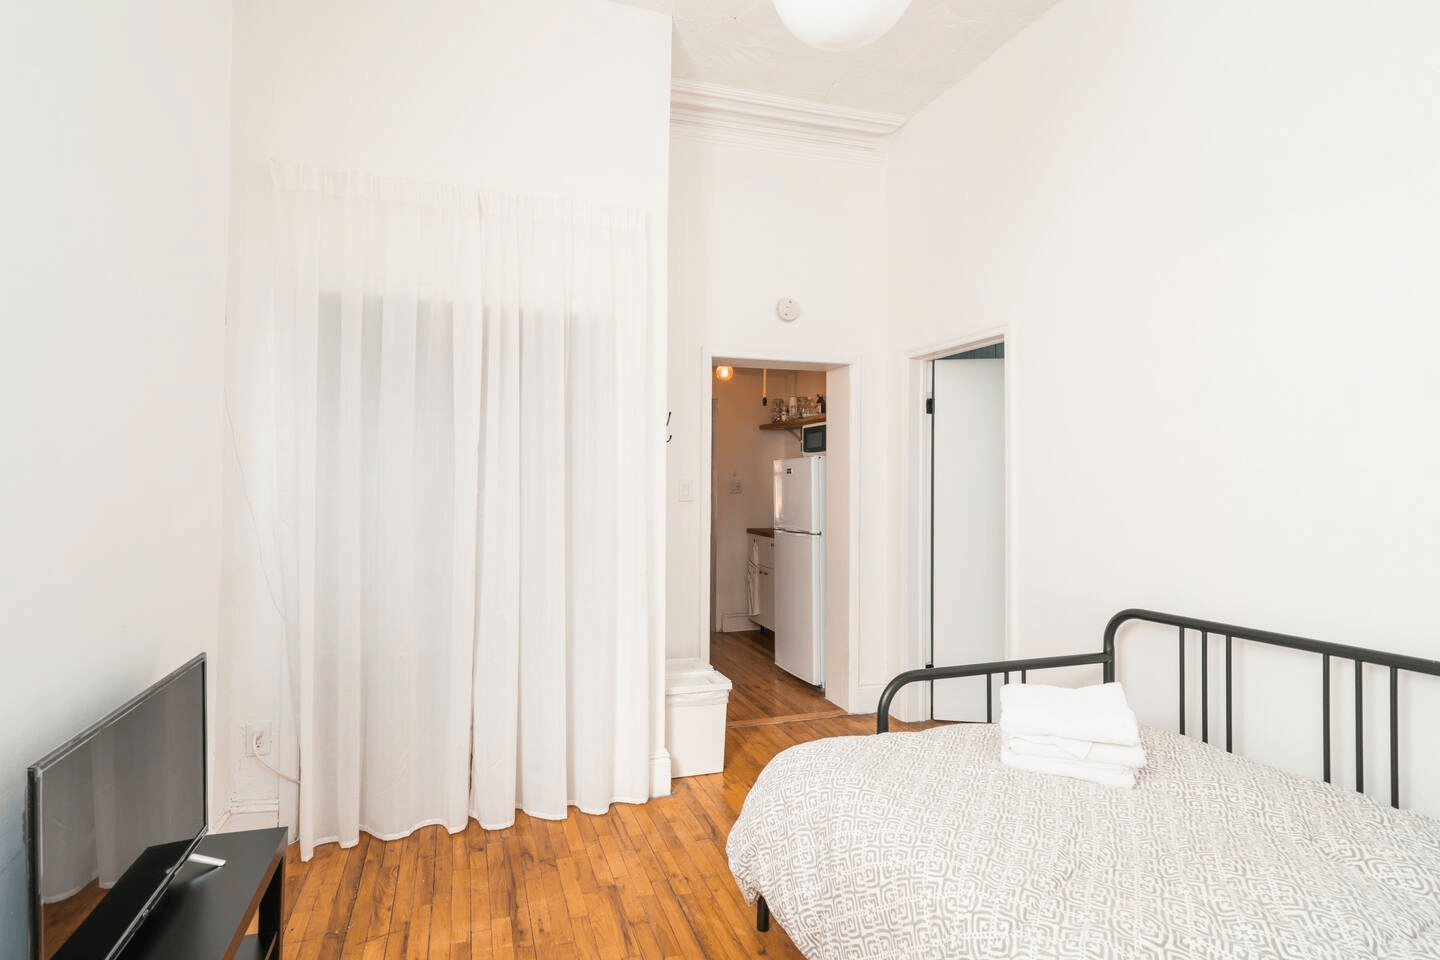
<point x="840" y="651"/>
<point x="913" y="703"/>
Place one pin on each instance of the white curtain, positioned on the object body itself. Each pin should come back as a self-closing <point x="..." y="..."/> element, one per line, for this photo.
<point x="459" y="400"/>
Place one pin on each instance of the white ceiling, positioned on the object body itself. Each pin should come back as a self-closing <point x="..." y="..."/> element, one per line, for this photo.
<point x="742" y="43"/>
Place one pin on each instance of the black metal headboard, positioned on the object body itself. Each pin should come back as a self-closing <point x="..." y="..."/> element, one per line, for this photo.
<point x="1206" y="629"/>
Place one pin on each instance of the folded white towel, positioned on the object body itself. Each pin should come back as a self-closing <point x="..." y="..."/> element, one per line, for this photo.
<point x="1107" y="775"/>
<point x="1099" y="714"/>
<point x="1068" y="748"/>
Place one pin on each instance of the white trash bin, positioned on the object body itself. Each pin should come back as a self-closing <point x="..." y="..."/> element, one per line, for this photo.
<point x="695" y="700"/>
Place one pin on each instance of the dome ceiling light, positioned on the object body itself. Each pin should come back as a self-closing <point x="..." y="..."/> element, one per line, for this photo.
<point x="838" y="25"/>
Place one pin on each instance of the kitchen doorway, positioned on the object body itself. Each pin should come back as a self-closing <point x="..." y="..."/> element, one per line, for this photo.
<point x="778" y="598"/>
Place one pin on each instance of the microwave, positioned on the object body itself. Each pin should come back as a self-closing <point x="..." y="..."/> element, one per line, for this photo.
<point x="812" y="439"/>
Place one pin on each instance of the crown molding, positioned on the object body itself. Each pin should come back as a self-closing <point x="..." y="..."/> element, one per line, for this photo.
<point x="717" y="113"/>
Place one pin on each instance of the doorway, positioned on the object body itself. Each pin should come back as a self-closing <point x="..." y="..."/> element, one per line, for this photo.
<point x="967" y="524"/>
<point x="775" y="585"/>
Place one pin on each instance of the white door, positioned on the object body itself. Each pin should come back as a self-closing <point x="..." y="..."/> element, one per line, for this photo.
<point x="968" y="592"/>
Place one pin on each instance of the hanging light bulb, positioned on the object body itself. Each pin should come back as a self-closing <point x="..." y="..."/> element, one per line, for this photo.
<point x="839" y="24"/>
<point x="724" y="372"/>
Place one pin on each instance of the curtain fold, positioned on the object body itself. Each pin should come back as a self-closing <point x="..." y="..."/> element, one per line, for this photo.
<point x="563" y="565"/>
<point x="456" y="391"/>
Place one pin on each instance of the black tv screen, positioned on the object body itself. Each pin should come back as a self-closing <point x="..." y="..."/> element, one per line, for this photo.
<point x="111" y="816"/>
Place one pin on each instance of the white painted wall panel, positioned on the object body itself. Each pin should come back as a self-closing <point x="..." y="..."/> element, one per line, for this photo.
<point x="114" y="190"/>
<point x="749" y="226"/>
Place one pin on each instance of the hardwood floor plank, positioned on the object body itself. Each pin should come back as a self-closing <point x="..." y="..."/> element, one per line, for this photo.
<point x="545" y="898"/>
<point x="459" y="896"/>
<point x="681" y="929"/>
<point x="397" y="941"/>
<point x="362" y="908"/>
<point x="418" y="947"/>
<point x="586" y="945"/>
<point x="570" y="890"/>
<point x="502" y="938"/>
<point x="771" y="721"/>
<point x="405" y="887"/>
<point x="307" y="878"/>
<point x="349" y="889"/>
<point x="326" y="884"/>
<point x="382" y="906"/>
<point x="481" y="947"/>
<point x="594" y="854"/>
<point x="440" y="899"/>
<point x="522" y="924"/>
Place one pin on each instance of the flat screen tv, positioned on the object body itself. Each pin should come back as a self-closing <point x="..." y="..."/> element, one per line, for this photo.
<point x="112" y="815"/>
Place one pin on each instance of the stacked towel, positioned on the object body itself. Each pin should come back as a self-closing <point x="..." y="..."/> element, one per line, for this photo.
<point x="1088" y="733"/>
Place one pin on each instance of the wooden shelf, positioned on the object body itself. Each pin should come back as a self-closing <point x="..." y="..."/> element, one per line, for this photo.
<point x="792" y="424"/>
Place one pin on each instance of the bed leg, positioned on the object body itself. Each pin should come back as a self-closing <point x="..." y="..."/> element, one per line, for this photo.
<point x="762" y="915"/>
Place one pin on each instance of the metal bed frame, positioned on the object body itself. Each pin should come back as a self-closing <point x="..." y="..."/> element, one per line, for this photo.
<point x="1360" y="656"/>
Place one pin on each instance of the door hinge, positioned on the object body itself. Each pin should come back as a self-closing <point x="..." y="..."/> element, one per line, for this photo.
<point x="929" y="404"/>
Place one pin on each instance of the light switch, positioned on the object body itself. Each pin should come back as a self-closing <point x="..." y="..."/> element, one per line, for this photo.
<point x="687" y="490"/>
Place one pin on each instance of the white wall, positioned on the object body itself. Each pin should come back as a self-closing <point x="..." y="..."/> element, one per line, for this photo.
<point x="114" y="191"/>
<point x="745" y="454"/>
<point x="529" y="96"/>
<point x="752" y="225"/>
<point x="1209" y="230"/>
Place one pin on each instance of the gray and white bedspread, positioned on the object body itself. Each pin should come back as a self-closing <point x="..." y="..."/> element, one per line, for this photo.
<point x="921" y="845"/>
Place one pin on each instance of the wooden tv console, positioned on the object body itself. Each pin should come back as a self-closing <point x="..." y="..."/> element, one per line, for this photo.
<point x="207" y="911"/>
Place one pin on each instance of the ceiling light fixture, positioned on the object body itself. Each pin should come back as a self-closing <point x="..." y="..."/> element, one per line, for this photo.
<point x="724" y="372"/>
<point x="839" y="24"/>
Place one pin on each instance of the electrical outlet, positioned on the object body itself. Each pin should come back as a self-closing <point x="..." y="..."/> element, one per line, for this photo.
<point x="258" y="738"/>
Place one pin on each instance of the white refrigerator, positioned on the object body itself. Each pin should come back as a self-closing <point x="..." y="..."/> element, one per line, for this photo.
<point x="800" y="568"/>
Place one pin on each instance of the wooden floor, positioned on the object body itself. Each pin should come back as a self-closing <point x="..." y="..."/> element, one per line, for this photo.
<point x="762" y="691"/>
<point x="641" y="881"/>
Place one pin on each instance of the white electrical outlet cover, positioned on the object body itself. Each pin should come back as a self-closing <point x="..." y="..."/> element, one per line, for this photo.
<point x="258" y="739"/>
<point x="787" y="309"/>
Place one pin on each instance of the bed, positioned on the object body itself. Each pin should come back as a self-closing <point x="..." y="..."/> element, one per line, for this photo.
<point x="922" y="845"/>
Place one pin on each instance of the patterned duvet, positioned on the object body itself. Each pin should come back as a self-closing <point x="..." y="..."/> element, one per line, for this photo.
<point x="911" y="845"/>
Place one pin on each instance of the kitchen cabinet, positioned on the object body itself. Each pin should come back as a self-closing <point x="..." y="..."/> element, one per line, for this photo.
<point x="763" y="548"/>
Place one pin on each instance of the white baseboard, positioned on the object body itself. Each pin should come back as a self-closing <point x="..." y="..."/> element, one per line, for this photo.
<point x="235" y="821"/>
<point x="737" y="623"/>
<point x="660" y="774"/>
<point x="249" y="813"/>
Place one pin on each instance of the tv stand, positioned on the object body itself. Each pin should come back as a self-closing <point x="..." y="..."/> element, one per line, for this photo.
<point x="206" y="912"/>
